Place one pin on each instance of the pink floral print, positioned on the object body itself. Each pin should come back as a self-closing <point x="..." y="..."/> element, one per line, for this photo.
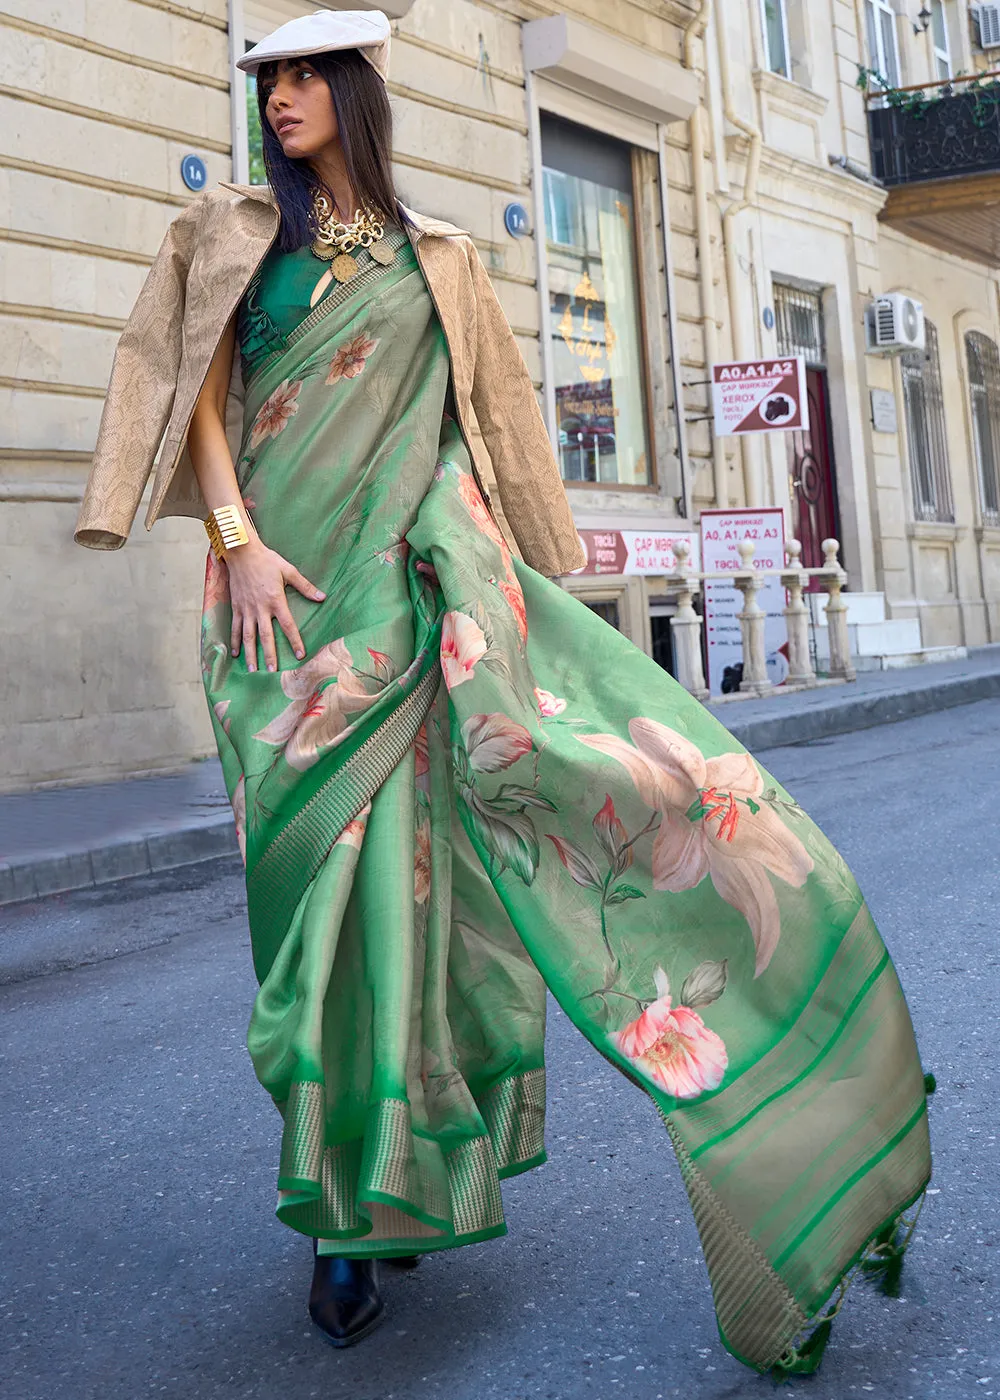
<point x="713" y="821"/>
<point x="515" y="601"/>
<point x="276" y="412"/>
<point x="350" y="359"/>
<point x="610" y="831"/>
<point x="324" y="691"/>
<point x="353" y="833"/>
<point x="396" y="555"/>
<point x="673" y="1047"/>
<point x="472" y="499"/>
<point x="462" y="645"/>
<point x="549" y="704"/>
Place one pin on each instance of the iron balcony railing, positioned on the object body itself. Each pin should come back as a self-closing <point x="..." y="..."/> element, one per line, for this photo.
<point x="937" y="131"/>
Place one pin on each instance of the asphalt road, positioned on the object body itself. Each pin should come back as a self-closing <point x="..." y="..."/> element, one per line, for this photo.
<point x="140" y="1256"/>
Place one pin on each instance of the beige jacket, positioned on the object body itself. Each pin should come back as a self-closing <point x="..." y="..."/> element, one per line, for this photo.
<point x="207" y="260"/>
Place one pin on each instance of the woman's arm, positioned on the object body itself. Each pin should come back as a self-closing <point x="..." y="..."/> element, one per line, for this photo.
<point x="141" y="392"/>
<point x="257" y="575"/>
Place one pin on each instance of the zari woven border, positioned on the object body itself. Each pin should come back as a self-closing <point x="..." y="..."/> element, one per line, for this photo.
<point x="514" y="1113"/>
<point x="285" y="869"/>
<point x="396" y="1186"/>
<point x="757" y="1314"/>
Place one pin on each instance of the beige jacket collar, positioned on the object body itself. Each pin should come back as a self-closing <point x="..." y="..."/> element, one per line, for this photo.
<point x="422" y="225"/>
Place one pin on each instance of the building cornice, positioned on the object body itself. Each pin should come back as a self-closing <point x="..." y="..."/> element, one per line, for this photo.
<point x="811" y="175"/>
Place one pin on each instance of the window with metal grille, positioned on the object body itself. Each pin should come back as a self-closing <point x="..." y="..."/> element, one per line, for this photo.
<point x="984" y="390"/>
<point x="927" y="444"/>
<point x="798" y="317"/>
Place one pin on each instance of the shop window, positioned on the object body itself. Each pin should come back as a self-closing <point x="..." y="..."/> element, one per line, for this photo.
<point x="927" y="445"/>
<point x="594" y="274"/>
<point x="774" y="19"/>
<point x="984" y="389"/>
<point x="606" y="609"/>
<point x="883" y="50"/>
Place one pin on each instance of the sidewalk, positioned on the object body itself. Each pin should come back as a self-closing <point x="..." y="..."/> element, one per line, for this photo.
<point x="64" y="839"/>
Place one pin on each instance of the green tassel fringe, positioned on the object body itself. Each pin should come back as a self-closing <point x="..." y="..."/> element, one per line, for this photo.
<point x="804" y="1360"/>
<point x="882" y="1264"/>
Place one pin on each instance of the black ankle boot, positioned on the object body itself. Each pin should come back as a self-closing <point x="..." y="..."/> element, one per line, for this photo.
<point x="344" y="1301"/>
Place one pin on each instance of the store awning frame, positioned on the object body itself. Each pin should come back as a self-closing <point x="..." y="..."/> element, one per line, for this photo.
<point x="609" y="70"/>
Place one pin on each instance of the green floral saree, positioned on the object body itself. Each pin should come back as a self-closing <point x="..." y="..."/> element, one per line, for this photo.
<point x="472" y="789"/>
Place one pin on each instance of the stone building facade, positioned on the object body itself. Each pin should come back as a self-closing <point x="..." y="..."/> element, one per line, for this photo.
<point x="655" y="185"/>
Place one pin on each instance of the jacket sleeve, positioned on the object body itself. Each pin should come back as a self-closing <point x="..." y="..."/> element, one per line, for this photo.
<point x="141" y="393"/>
<point x="503" y="397"/>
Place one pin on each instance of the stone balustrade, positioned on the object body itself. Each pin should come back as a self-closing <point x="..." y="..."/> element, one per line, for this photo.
<point x="685" y="584"/>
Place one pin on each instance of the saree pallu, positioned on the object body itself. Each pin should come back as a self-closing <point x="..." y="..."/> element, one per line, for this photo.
<point x="473" y="788"/>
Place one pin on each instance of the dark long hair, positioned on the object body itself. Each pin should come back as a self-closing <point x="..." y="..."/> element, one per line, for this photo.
<point x="364" y="120"/>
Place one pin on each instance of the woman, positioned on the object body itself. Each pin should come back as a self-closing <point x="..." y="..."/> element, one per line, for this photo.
<point x="454" y="784"/>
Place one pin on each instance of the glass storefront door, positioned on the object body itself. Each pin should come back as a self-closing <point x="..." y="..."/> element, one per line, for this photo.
<point x="600" y="379"/>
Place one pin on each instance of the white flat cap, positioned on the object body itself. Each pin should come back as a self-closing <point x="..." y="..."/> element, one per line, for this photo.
<point x="326" y="31"/>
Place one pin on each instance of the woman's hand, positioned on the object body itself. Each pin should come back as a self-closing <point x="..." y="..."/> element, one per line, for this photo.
<point x="257" y="580"/>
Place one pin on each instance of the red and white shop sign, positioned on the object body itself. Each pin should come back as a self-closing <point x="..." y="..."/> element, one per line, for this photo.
<point x="760" y="396"/>
<point x="721" y="533"/>
<point x="635" y="551"/>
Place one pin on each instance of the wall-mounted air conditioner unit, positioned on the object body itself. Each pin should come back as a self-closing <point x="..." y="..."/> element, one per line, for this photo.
<point x="989" y="25"/>
<point x="895" y="323"/>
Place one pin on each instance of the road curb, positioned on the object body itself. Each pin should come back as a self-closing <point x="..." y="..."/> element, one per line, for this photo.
<point x="209" y="838"/>
<point x="86" y="868"/>
<point x="842" y="714"/>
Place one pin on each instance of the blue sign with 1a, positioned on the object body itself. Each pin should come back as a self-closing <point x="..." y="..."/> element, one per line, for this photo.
<point x="194" y="173"/>
<point x="516" y="222"/>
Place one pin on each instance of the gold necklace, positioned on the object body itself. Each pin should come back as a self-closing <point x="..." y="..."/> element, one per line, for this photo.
<point x="336" y="241"/>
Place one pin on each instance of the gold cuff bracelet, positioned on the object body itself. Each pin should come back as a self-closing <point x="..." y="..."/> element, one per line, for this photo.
<point x="226" y="530"/>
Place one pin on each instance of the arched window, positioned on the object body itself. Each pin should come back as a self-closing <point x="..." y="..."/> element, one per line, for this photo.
<point x="923" y="397"/>
<point x="984" y="390"/>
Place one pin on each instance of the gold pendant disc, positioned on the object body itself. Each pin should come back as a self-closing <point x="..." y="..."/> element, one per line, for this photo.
<point x="344" y="267"/>
<point x="383" y="253"/>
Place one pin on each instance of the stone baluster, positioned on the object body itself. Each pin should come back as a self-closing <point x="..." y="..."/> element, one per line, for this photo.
<point x="685" y="627"/>
<point x="755" y="681"/>
<point x="836" y="614"/>
<point x="794" y="579"/>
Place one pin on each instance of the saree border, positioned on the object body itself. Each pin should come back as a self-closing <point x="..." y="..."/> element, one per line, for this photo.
<point x="294" y="855"/>
<point x="377" y="1189"/>
<point x="758" y="1315"/>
